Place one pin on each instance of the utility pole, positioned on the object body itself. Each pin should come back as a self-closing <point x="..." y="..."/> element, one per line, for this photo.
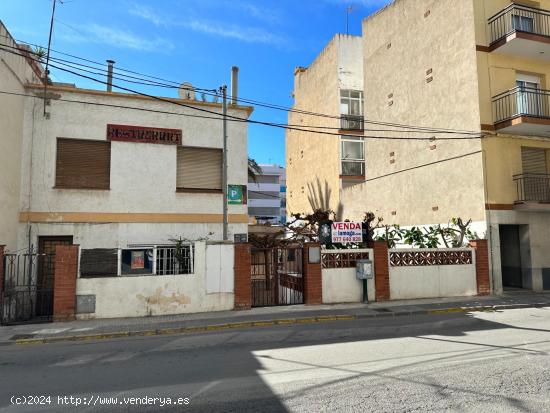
<point x="224" y="161"/>
<point x="48" y="55"/>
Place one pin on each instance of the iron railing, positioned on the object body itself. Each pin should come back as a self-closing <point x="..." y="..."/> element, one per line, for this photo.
<point x="521" y="101"/>
<point x="353" y="168"/>
<point x="517" y="18"/>
<point x="352" y="122"/>
<point x="533" y="187"/>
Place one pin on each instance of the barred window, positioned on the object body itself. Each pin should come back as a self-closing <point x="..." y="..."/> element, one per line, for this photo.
<point x="168" y="263"/>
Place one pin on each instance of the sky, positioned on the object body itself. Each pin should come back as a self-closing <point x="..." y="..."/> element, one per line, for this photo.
<point x="196" y="41"/>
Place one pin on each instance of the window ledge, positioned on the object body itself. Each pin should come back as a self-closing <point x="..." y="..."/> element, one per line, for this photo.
<point x="81" y="187"/>
<point x="200" y="190"/>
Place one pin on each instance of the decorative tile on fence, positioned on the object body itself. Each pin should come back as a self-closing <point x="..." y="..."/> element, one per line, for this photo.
<point x="428" y="258"/>
<point x="342" y="259"/>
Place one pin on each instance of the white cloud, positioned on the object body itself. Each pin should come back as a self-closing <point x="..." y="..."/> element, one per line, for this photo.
<point x="213" y="27"/>
<point x="99" y="34"/>
<point x="245" y="34"/>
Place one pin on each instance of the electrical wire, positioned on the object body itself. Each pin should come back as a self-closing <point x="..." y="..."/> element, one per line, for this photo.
<point x="212" y="92"/>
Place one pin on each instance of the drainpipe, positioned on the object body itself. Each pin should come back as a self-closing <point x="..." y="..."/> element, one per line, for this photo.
<point x="234" y="84"/>
<point x="110" y="64"/>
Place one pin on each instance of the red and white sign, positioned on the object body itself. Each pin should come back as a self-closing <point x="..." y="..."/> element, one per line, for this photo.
<point x="343" y="232"/>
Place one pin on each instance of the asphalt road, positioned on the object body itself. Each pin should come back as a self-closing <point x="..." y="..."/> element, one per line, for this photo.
<point x="483" y="362"/>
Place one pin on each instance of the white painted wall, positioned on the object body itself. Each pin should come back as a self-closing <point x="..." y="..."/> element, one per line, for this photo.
<point x="143" y="175"/>
<point x="136" y="296"/>
<point x="433" y="281"/>
<point x="340" y="285"/>
<point x="350" y="62"/>
<point x="14" y="73"/>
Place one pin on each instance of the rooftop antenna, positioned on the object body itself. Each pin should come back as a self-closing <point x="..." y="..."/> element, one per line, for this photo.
<point x="349" y="9"/>
<point x="46" y="71"/>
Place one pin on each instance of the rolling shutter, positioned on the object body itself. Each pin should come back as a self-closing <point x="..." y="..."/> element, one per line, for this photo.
<point x="83" y="164"/>
<point x="199" y="168"/>
<point x="533" y="160"/>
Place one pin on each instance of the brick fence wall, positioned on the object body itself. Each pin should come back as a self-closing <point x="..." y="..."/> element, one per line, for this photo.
<point x="243" y="289"/>
<point x="381" y="270"/>
<point x="481" y="247"/>
<point x="313" y="280"/>
<point x="64" y="295"/>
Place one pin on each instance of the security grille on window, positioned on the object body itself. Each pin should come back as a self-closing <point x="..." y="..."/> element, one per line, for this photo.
<point x="157" y="260"/>
<point x="169" y="262"/>
<point x="83" y="164"/>
<point x="353" y="156"/>
<point x="199" y="169"/>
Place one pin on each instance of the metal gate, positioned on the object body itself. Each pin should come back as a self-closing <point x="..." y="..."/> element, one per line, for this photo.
<point x="28" y="285"/>
<point x="277" y="276"/>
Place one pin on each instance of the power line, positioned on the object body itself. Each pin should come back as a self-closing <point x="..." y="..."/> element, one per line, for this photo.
<point x="212" y="92"/>
<point x="236" y="118"/>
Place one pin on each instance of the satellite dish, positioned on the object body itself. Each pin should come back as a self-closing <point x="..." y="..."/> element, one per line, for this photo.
<point x="186" y="91"/>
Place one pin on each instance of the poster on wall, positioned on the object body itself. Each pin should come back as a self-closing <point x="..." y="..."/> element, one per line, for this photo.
<point x="138" y="260"/>
<point x="344" y="232"/>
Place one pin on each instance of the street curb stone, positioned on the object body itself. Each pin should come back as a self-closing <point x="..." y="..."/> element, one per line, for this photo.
<point x="265" y="323"/>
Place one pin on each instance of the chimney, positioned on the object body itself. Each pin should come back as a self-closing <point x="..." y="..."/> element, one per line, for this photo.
<point x="234" y="85"/>
<point x="110" y="64"/>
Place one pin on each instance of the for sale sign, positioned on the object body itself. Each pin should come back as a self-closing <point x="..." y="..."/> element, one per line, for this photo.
<point x="343" y="232"/>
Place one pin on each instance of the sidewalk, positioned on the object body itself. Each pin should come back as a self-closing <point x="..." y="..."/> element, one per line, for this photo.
<point x="297" y="314"/>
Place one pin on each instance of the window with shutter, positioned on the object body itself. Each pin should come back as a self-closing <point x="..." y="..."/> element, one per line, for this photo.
<point x="83" y="164"/>
<point x="533" y="160"/>
<point x="199" y="169"/>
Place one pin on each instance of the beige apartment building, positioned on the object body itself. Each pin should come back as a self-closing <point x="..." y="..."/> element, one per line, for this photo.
<point x="331" y="85"/>
<point x="468" y="66"/>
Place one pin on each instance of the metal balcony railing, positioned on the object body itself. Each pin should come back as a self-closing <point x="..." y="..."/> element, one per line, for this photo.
<point x="353" y="168"/>
<point x="521" y="19"/>
<point x="521" y="101"/>
<point x="533" y="187"/>
<point x="352" y="122"/>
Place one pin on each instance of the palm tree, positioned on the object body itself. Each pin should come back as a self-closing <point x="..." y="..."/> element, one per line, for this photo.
<point x="253" y="169"/>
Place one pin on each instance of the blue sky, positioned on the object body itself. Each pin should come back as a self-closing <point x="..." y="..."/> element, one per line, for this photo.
<point x="197" y="41"/>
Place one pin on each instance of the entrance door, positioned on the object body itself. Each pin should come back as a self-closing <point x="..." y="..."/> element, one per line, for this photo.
<point x="510" y="256"/>
<point x="46" y="273"/>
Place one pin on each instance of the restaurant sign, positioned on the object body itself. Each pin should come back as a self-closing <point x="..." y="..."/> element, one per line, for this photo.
<point x="343" y="232"/>
<point x="127" y="133"/>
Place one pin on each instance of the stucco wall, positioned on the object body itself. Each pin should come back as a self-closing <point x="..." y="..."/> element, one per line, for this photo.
<point x="340" y="285"/>
<point x="143" y="176"/>
<point x="136" y="296"/>
<point x="14" y="73"/>
<point x="420" y="69"/>
<point x="313" y="160"/>
<point x="433" y="281"/>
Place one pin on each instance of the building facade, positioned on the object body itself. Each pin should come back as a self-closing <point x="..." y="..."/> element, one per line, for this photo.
<point x="15" y="72"/>
<point x="134" y="181"/>
<point x="267" y="195"/>
<point x="469" y="78"/>
<point x="319" y="165"/>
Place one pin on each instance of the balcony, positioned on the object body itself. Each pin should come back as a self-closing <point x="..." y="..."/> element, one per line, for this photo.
<point x="523" y="111"/>
<point x="533" y="191"/>
<point x="353" y="169"/>
<point x="352" y="123"/>
<point x="521" y="31"/>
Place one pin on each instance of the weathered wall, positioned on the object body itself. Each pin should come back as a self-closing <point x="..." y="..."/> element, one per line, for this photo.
<point x="420" y="69"/>
<point x="14" y="73"/>
<point x="143" y="175"/>
<point x="313" y="160"/>
<point x="136" y="296"/>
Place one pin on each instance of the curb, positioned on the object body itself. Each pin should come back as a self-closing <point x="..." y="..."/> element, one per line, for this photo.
<point x="267" y="323"/>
